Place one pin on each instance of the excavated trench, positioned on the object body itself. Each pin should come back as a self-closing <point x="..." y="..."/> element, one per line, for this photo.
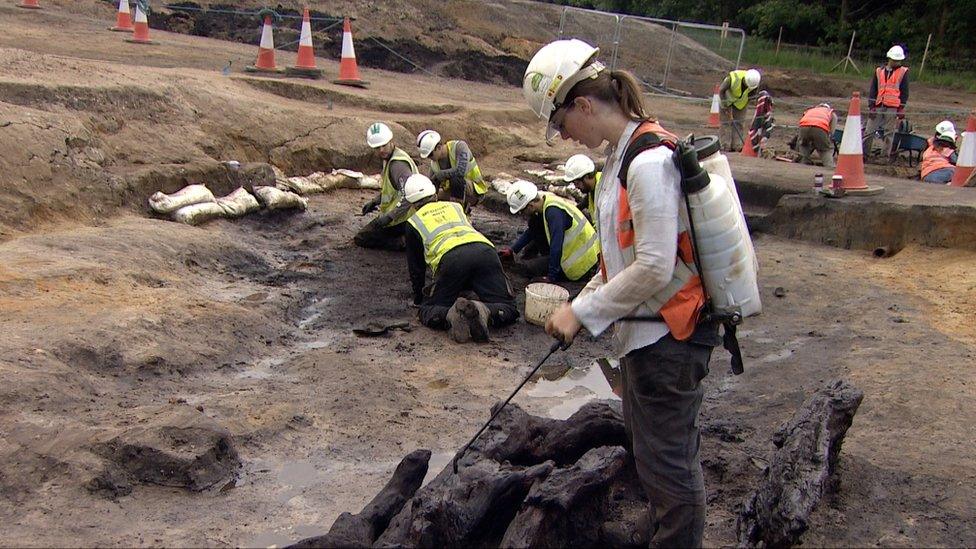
<point x="400" y="55"/>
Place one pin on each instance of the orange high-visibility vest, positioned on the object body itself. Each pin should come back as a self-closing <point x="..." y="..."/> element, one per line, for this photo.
<point x="817" y="117"/>
<point x="934" y="159"/>
<point x="683" y="298"/>
<point x="889" y="91"/>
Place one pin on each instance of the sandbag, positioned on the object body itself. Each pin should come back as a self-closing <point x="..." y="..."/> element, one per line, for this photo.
<point x="191" y="194"/>
<point x="195" y="214"/>
<point x="277" y="199"/>
<point x="299" y="184"/>
<point x="238" y="203"/>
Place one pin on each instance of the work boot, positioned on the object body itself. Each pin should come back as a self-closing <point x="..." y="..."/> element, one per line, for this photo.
<point x="458" y="323"/>
<point x="476" y="313"/>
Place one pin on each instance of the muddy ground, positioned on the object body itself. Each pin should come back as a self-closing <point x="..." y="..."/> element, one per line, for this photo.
<point x="117" y="322"/>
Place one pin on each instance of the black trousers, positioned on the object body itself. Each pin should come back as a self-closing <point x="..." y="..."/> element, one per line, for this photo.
<point x="379" y="237"/>
<point x="470" y="267"/>
<point x="662" y="394"/>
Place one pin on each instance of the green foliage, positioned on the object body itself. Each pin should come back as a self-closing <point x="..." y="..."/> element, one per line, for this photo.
<point x="801" y="22"/>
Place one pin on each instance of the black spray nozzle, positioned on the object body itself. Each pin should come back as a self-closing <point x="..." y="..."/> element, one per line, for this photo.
<point x="694" y="178"/>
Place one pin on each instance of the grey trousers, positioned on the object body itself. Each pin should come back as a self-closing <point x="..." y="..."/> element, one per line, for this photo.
<point x="883" y="118"/>
<point x="815" y="139"/>
<point x="662" y="392"/>
<point x="736" y="128"/>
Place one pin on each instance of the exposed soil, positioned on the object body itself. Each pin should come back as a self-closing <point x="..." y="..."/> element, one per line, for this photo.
<point x="233" y="340"/>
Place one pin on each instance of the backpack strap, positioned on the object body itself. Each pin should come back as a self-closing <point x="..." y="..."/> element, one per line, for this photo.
<point x="644" y="142"/>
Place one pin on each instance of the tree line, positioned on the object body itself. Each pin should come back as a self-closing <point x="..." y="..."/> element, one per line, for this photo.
<point x="829" y="23"/>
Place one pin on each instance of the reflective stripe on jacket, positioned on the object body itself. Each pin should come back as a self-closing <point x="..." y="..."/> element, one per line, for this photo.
<point x="889" y="91"/>
<point x="817" y="117"/>
<point x="442" y="227"/>
<point x="591" y="198"/>
<point x="738" y="93"/>
<point x="681" y="301"/>
<point x="935" y="159"/>
<point x="390" y="197"/>
<point x="580" y="244"/>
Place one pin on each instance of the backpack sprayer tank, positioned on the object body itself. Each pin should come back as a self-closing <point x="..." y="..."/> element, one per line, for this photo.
<point x="722" y="243"/>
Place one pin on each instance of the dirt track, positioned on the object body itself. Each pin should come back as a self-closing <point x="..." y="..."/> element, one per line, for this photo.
<point x="113" y="318"/>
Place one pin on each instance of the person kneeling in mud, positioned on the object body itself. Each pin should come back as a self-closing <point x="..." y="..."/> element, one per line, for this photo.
<point x="439" y="236"/>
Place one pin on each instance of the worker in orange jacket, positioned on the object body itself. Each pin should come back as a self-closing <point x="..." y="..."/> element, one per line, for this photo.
<point x="887" y="98"/>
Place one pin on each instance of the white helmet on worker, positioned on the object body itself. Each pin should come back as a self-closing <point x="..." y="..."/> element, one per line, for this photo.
<point x="520" y="194"/>
<point x="427" y="140"/>
<point x="554" y="70"/>
<point x="378" y="134"/>
<point x="945" y="130"/>
<point x="578" y="166"/>
<point x="418" y="187"/>
<point x="896" y="53"/>
<point x="752" y="78"/>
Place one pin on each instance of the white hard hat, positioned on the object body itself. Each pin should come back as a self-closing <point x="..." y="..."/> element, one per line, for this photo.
<point x="946" y="126"/>
<point x="378" y="134"/>
<point x="417" y="187"/>
<point x="554" y="70"/>
<point x="578" y="166"/>
<point x="520" y="194"/>
<point x="426" y="141"/>
<point x="752" y="78"/>
<point x="896" y="53"/>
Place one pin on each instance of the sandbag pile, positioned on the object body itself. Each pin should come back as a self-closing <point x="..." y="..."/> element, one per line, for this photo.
<point x="196" y="204"/>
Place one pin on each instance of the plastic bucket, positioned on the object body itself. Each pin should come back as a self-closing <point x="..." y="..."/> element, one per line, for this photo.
<point x="541" y="300"/>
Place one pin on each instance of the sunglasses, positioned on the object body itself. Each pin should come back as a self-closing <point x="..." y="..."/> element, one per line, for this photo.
<point x="557" y="122"/>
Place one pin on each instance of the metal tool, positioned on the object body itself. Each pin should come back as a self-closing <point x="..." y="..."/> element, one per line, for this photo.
<point x="555" y="347"/>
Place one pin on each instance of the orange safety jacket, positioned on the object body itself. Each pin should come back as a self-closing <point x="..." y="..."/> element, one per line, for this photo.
<point x="889" y="91"/>
<point x="935" y="159"/>
<point x="817" y="117"/>
<point x="682" y="300"/>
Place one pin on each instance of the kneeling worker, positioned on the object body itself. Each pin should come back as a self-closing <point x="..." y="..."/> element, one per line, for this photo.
<point x="461" y="259"/>
<point x="560" y="233"/>
<point x="386" y="230"/>
<point x="581" y="171"/>
<point x="453" y="169"/>
<point x="938" y="163"/>
<point x="816" y="126"/>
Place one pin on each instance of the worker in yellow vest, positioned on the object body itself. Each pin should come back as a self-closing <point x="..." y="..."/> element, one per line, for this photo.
<point x="440" y="237"/>
<point x="938" y="163"/>
<point x="734" y="96"/>
<point x="566" y="241"/>
<point x="385" y="231"/>
<point x="581" y="172"/>
<point x="887" y="99"/>
<point x="816" y="125"/>
<point x="453" y="169"/>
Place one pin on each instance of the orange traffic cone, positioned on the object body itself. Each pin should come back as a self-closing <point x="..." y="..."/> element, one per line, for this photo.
<point x="30" y="4"/>
<point x="123" y="19"/>
<point x="714" y="118"/>
<point x="850" y="158"/>
<point x="306" y="53"/>
<point x="140" y="34"/>
<point x="967" y="155"/>
<point x="747" y="149"/>
<point x="266" y="52"/>
<point x="348" y="70"/>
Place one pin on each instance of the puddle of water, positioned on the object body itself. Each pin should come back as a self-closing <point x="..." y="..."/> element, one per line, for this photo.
<point x="282" y="539"/>
<point x="297" y="475"/>
<point x="436" y="465"/>
<point x="312" y="312"/>
<point x="593" y="380"/>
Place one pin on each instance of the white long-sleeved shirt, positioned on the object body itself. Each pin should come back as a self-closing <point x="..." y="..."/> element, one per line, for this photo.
<point x="654" y="193"/>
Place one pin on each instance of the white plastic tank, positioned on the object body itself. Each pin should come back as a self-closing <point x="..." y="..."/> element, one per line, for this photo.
<point x="711" y="158"/>
<point x="728" y="260"/>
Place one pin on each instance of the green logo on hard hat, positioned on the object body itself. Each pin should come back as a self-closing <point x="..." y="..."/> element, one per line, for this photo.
<point x="536" y="80"/>
<point x="374" y="129"/>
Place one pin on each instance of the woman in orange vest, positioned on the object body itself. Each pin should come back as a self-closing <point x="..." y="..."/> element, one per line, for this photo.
<point x="646" y="249"/>
<point x="939" y="160"/>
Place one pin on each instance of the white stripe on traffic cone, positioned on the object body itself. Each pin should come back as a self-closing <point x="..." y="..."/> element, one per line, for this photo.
<point x="967" y="154"/>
